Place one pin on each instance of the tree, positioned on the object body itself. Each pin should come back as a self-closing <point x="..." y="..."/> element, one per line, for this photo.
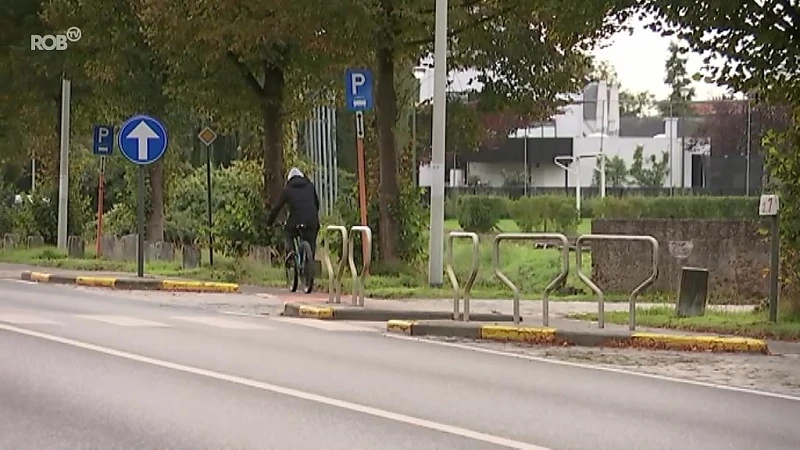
<point x="758" y="42"/>
<point x="604" y="71"/>
<point x="635" y="104"/>
<point x="524" y="63"/>
<point x="677" y="77"/>
<point x="649" y="177"/>
<point x="616" y="172"/>
<point x="250" y="60"/>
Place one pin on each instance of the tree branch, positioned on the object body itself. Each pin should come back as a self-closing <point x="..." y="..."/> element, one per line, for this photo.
<point x="249" y="78"/>
<point x="456" y="31"/>
<point x="792" y="11"/>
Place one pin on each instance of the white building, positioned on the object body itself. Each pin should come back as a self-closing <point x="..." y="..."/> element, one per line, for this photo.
<point x="590" y="126"/>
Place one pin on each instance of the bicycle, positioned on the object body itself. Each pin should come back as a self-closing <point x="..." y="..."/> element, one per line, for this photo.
<point x="299" y="263"/>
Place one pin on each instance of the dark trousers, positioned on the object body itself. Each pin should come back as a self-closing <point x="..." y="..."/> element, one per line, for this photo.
<point x="309" y="234"/>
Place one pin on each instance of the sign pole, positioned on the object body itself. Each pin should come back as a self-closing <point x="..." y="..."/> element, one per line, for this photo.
<point x="208" y="199"/>
<point x="362" y="176"/>
<point x="207" y="136"/>
<point x="775" y="248"/>
<point x="140" y="198"/>
<point x="101" y="189"/>
<point x="769" y="206"/>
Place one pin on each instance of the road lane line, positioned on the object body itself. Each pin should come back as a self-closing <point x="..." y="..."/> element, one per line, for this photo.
<point x="25" y="319"/>
<point x="122" y="321"/>
<point x="591" y="367"/>
<point x="375" y="412"/>
<point x="222" y="322"/>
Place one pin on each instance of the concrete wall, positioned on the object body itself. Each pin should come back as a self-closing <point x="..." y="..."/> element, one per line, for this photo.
<point x="736" y="253"/>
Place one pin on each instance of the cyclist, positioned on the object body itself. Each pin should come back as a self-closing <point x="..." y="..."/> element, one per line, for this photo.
<point x="301" y="195"/>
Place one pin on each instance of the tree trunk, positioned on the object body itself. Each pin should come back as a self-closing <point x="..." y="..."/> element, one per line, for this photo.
<point x="155" y="222"/>
<point x="272" y="145"/>
<point x="388" y="188"/>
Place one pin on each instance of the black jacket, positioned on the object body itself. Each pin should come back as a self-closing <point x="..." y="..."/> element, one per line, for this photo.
<point x="301" y="195"/>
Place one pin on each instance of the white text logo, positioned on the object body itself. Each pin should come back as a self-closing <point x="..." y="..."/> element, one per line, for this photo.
<point x="55" y="42"/>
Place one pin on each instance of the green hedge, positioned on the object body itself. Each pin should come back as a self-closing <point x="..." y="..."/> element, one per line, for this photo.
<point x="481" y="213"/>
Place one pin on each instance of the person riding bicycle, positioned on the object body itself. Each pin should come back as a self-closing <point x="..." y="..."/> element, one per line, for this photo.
<point x="301" y="195"/>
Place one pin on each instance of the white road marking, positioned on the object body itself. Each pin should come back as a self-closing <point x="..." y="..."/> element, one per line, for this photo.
<point x="25" y="319"/>
<point x="122" y="321"/>
<point x="383" y="414"/>
<point x="591" y="367"/>
<point x="327" y="325"/>
<point x="222" y="322"/>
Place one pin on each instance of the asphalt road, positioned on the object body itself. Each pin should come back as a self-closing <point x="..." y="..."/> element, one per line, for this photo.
<point x="84" y="368"/>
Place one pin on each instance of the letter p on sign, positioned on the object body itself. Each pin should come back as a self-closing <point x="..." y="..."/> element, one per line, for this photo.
<point x="357" y="80"/>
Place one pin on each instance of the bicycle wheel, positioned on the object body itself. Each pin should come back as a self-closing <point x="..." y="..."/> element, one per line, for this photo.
<point x="308" y="267"/>
<point x="292" y="277"/>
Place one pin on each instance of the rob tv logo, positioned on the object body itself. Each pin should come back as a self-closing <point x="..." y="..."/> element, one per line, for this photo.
<point x="59" y="42"/>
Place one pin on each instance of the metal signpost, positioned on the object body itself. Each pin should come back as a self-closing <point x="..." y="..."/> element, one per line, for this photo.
<point x="768" y="206"/>
<point x="207" y="136"/>
<point x="358" y="96"/>
<point x="142" y="141"/>
<point x="102" y="146"/>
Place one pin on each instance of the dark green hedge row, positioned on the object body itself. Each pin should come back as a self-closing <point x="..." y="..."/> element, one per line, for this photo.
<point x="557" y="212"/>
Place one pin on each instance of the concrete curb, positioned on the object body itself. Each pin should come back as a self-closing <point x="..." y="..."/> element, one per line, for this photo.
<point x="356" y="313"/>
<point x="552" y="336"/>
<point x="132" y="284"/>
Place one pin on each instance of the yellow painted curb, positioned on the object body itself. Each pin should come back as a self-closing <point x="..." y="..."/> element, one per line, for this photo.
<point x="312" y="312"/>
<point x="518" y="334"/>
<point x="711" y="343"/>
<point x="399" y="326"/>
<point x="96" y="281"/>
<point x="40" y="277"/>
<point x="198" y="286"/>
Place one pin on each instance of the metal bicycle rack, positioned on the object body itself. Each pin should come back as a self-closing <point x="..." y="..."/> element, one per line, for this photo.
<point x="559" y="280"/>
<point x="335" y="275"/>
<point x="358" y="279"/>
<point x="452" y="275"/>
<point x="601" y="320"/>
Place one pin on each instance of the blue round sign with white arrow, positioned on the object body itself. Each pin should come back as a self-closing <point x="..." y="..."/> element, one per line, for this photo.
<point x="142" y="140"/>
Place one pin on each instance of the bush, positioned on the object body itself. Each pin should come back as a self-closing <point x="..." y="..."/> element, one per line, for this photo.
<point x="545" y="213"/>
<point x="480" y="213"/>
<point x="681" y="207"/>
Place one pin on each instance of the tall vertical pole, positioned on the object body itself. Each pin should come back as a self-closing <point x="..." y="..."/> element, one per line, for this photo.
<point x="436" y="245"/>
<point x="671" y="155"/>
<point x="362" y="174"/>
<point x="63" y="176"/>
<point x="335" y="156"/>
<point x="209" y="212"/>
<point x="141" y="194"/>
<point x="101" y="192"/>
<point x="414" y="164"/>
<point x="747" y="167"/>
<point x="33" y="174"/>
<point x="525" y="159"/>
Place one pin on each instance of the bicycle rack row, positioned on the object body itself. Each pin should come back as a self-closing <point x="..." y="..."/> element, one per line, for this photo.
<point x="464" y="292"/>
<point x="335" y="274"/>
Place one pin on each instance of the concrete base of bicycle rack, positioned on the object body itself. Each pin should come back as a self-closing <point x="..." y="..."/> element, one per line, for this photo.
<point x="367" y="314"/>
<point x="556" y="337"/>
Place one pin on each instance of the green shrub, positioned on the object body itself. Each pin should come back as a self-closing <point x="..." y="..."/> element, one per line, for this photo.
<point x="680" y="207"/>
<point x="545" y="213"/>
<point x="480" y="213"/>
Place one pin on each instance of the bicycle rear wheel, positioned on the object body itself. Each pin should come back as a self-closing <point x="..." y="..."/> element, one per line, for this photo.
<point x="292" y="277"/>
<point x="308" y="267"/>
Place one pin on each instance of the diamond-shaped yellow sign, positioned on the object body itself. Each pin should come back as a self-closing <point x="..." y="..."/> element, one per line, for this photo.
<point x="207" y="136"/>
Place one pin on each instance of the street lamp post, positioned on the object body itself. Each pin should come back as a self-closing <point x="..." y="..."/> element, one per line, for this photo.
<point x="436" y="245"/>
<point x="419" y="73"/>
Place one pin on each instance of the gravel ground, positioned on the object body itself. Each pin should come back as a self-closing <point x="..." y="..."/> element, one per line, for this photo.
<point x="774" y="373"/>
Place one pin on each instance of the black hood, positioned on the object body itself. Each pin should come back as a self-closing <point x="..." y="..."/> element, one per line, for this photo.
<point x="298" y="182"/>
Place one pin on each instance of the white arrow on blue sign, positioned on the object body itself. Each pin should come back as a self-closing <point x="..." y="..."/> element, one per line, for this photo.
<point x="103" y="141"/>
<point x="358" y="89"/>
<point x="142" y="140"/>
